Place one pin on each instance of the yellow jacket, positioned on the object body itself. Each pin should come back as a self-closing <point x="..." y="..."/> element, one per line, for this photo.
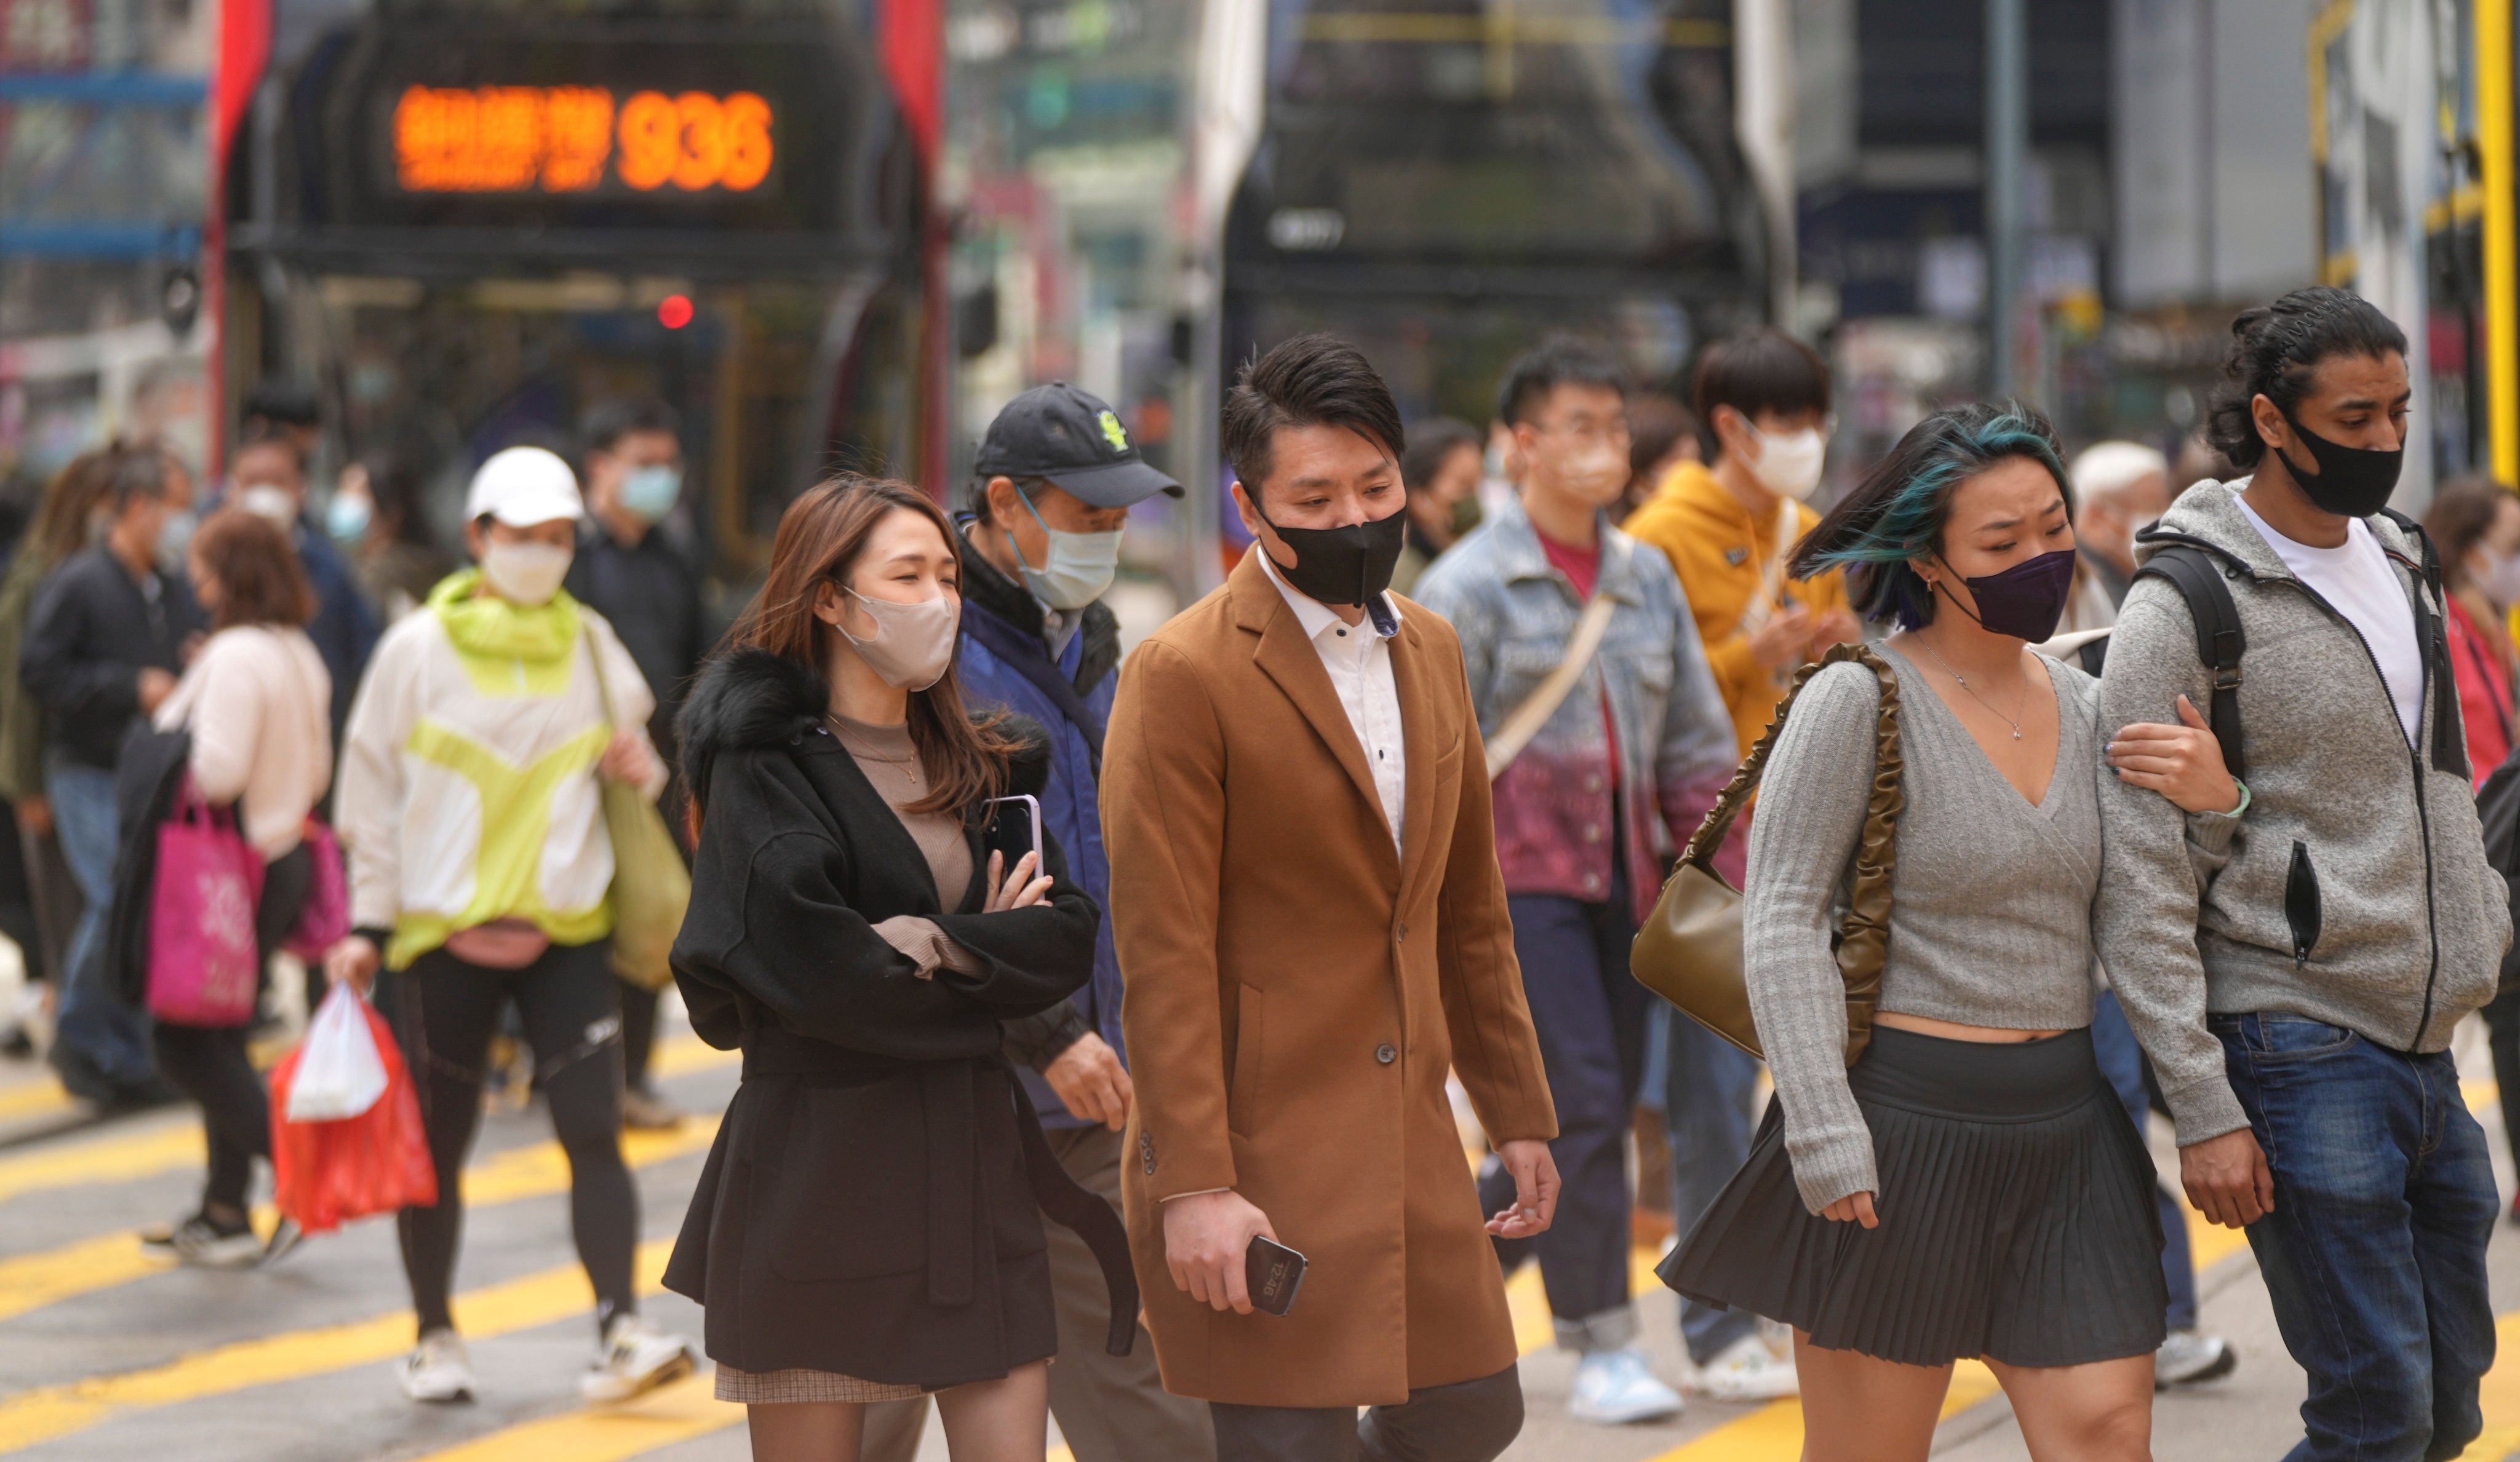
<point x="1720" y="553"/>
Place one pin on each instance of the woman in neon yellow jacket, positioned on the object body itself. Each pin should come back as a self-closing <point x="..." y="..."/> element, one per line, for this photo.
<point x="480" y="874"/>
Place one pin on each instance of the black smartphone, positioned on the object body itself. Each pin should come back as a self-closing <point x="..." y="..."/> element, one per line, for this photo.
<point x="1273" y="1273"/>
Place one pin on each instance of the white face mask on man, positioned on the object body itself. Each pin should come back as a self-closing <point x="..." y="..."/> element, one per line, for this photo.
<point x="526" y="573"/>
<point x="1789" y="463"/>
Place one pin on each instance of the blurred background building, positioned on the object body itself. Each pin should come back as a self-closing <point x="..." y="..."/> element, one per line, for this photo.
<point x="843" y="231"/>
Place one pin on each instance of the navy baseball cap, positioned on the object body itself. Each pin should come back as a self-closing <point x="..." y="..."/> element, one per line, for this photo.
<point x="1075" y="440"/>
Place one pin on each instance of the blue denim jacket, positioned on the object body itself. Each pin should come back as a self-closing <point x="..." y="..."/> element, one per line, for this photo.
<point x="1553" y="811"/>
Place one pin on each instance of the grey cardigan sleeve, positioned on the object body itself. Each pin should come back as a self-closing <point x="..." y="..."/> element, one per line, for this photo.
<point x="2153" y="878"/>
<point x="1810" y="817"/>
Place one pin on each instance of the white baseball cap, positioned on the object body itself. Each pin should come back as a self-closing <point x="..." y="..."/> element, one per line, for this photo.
<point x="522" y="486"/>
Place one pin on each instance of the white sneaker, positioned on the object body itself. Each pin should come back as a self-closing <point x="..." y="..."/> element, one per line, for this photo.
<point x="195" y="1242"/>
<point x="636" y="1359"/>
<point x="2189" y="1358"/>
<point x="1613" y="1388"/>
<point x="1746" y="1372"/>
<point x="439" y="1370"/>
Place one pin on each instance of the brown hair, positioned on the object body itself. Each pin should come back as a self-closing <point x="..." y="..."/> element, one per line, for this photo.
<point x="819" y="540"/>
<point x="2460" y="515"/>
<point x="256" y="570"/>
<point x="71" y="498"/>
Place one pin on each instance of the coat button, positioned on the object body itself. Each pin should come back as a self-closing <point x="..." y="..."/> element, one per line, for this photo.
<point x="1592" y="782"/>
<point x="1386" y="1053"/>
<point x="1146" y="1152"/>
<point x="1593" y="832"/>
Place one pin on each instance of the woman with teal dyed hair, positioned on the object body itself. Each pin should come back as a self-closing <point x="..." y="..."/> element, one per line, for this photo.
<point x="1969" y="1186"/>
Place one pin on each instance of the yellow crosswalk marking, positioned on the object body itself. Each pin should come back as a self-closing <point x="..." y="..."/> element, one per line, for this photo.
<point x="31" y="1282"/>
<point x="47" y="1412"/>
<point x="35" y="1098"/>
<point x="679" y="1412"/>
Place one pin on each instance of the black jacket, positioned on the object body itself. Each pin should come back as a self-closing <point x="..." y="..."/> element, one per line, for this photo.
<point x="650" y="593"/>
<point x="870" y="1205"/>
<point x="92" y="629"/>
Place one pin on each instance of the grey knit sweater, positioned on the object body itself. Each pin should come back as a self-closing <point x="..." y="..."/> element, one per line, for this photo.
<point x="1990" y="901"/>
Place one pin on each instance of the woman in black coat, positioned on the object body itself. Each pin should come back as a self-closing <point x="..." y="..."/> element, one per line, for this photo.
<point x="867" y="1226"/>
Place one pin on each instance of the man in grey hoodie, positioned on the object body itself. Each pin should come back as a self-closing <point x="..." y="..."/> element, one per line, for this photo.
<point x="2298" y="1005"/>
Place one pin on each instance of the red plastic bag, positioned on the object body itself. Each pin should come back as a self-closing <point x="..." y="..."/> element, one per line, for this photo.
<point x="327" y="1172"/>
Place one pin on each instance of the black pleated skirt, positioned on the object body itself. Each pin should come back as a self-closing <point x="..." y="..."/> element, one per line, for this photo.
<point x="2016" y="1209"/>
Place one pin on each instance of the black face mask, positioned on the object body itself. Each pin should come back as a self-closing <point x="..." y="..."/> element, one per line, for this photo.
<point x="2352" y="482"/>
<point x="2025" y="600"/>
<point x="1347" y="565"/>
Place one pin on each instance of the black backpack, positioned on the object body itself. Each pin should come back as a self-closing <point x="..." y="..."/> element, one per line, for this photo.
<point x="2498" y="807"/>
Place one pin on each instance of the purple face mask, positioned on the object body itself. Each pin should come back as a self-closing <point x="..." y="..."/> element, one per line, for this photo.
<point x="2025" y="600"/>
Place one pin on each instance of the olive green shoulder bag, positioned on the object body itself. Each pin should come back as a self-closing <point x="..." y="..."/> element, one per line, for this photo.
<point x="1689" y="950"/>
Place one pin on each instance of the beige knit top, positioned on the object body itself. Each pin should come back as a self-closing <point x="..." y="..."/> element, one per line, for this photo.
<point x="891" y="762"/>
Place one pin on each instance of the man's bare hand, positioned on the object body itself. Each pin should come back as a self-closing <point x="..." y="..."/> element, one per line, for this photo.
<point x="1836" y="627"/>
<point x="351" y="960"/>
<point x="1205" y="1238"/>
<point x="1535" y="1190"/>
<point x="1091" y="1082"/>
<point x="1779" y="643"/>
<point x="36" y="815"/>
<point x="2228" y="1180"/>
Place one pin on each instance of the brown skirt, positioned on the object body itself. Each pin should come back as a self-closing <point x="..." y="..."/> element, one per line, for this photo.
<point x="772" y="1387"/>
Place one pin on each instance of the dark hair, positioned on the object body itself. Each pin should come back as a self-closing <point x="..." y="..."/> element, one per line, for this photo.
<point x="1899" y="509"/>
<point x="2275" y="350"/>
<point x="256" y="569"/>
<point x="1656" y="423"/>
<point x="70" y="500"/>
<point x="1758" y="370"/>
<point x="269" y="440"/>
<point x="605" y="426"/>
<point x="819" y="537"/>
<point x="1557" y="361"/>
<point x="137" y="472"/>
<point x="2460" y="515"/>
<point x="290" y="403"/>
<point x="1431" y="444"/>
<point x="1310" y="381"/>
<point x="394" y="488"/>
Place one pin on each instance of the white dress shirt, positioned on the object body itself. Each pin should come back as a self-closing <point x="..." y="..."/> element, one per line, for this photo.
<point x="1358" y="658"/>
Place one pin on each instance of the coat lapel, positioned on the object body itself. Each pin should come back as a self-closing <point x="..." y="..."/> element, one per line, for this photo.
<point x="1414" y="679"/>
<point x="1291" y="659"/>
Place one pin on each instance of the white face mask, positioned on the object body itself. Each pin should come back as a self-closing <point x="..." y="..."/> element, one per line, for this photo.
<point x="913" y="643"/>
<point x="272" y="504"/>
<point x="1788" y="463"/>
<point x="526" y="573"/>
<point x="1596" y="473"/>
<point x="2501" y="581"/>
<point x="1081" y="564"/>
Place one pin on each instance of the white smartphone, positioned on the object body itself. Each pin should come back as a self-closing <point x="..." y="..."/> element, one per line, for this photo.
<point x="1034" y="805"/>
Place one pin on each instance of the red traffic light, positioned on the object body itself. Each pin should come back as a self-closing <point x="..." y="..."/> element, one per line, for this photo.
<point x="674" y="311"/>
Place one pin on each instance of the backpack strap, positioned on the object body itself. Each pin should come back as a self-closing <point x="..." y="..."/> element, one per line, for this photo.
<point x="2449" y="743"/>
<point x="2220" y="641"/>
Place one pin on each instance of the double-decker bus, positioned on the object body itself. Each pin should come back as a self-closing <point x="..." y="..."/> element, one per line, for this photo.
<point x="1446" y="181"/>
<point x="468" y="222"/>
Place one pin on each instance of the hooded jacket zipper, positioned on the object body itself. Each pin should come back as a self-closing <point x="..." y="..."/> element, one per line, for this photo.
<point x="2415" y="750"/>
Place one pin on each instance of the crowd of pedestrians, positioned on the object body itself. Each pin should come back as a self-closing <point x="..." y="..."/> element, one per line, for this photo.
<point x="1112" y="1009"/>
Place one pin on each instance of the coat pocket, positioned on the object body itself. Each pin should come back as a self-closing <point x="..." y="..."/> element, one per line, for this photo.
<point x="848" y="1200"/>
<point x="1243" y="1097"/>
<point x="2301" y="904"/>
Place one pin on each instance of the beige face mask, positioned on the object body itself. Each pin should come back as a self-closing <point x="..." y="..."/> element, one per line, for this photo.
<point x="1594" y="474"/>
<point x="913" y="643"/>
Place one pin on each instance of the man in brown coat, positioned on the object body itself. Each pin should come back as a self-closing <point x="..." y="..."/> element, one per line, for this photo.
<point x="1312" y="931"/>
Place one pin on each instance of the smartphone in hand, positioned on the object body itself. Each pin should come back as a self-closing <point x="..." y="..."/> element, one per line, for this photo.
<point x="1273" y="1273"/>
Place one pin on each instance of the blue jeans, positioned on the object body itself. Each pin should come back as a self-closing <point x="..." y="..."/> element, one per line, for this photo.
<point x="1589" y="1015"/>
<point x="2375" y="1255"/>
<point x="99" y="1038"/>
<point x="1708" y="1083"/>
<point x="2122" y="1063"/>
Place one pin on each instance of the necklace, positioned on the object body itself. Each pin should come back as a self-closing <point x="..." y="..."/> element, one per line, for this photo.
<point x="1961" y="681"/>
<point x="907" y="768"/>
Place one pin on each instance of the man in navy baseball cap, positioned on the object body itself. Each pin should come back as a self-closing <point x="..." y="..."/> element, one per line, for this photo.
<point x="1056" y="475"/>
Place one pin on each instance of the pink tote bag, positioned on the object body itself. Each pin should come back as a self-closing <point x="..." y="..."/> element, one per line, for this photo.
<point x="204" y="966"/>
<point x="325" y="918"/>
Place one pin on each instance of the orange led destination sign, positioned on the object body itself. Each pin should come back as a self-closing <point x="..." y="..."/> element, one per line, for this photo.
<point x="568" y="139"/>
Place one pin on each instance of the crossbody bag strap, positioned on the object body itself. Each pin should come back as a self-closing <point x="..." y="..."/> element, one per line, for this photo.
<point x="2450" y="750"/>
<point x="1524" y="721"/>
<point x="2220" y="640"/>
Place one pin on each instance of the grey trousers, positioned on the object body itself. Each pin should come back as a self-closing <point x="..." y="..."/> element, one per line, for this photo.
<point x="1468" y="1421"/>
<point x="1111" y="1408"/>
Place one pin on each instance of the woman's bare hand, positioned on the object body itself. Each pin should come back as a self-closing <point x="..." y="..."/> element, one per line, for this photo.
<point x="1020" y="889"/>
<point x="1854" y="1208"/>
<point x="2182" y="763"/>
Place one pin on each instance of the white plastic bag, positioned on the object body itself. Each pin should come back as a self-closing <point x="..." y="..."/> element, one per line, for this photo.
<point x="339" y="1073"/>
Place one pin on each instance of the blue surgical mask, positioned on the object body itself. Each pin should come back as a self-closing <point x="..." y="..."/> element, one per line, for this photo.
<point x="1081" y="564"/>
<point x="176" y="539"/>
<point x="346" y="518"/>
<point x="648" y="493"/>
